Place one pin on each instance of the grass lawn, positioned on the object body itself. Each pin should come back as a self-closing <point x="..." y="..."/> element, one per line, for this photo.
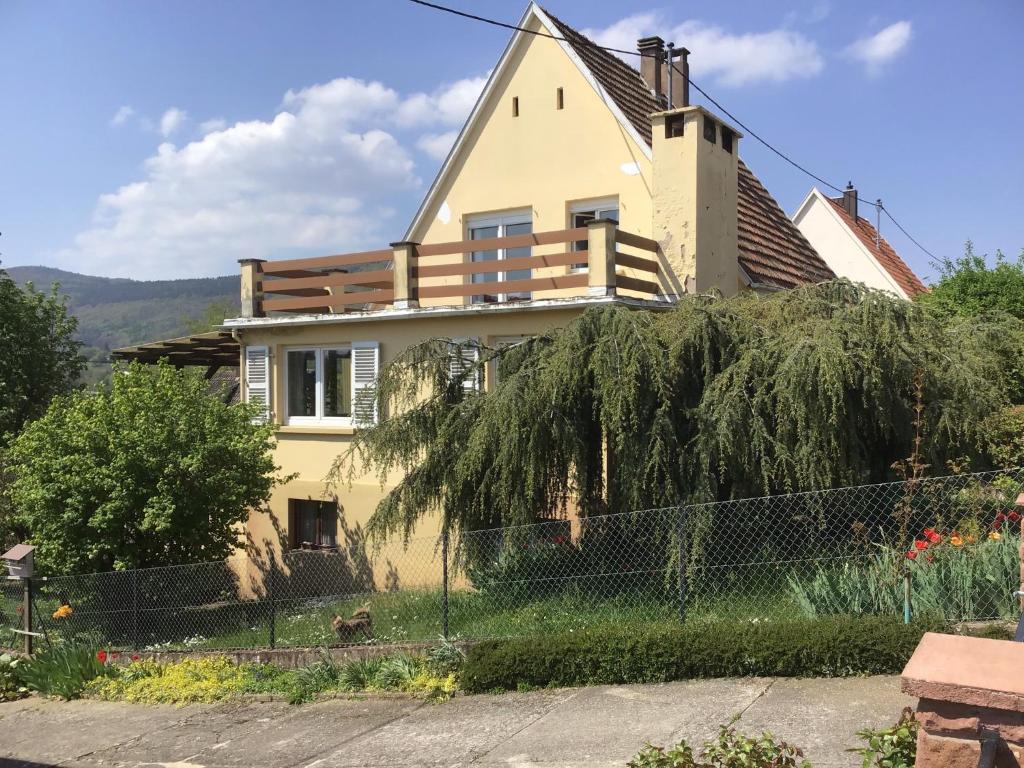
<point x="411" y="616"/>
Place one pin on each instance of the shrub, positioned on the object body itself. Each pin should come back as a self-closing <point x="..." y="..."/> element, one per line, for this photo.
<point x="64" y="670"/>
<point x="729" y="750"/>
<point x="11" y="684"/>
<point x="832" y="647"/>
<point x="893" y="747"/>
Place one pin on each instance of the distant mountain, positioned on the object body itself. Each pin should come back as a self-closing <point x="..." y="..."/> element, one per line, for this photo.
<point x="115" y="312"/>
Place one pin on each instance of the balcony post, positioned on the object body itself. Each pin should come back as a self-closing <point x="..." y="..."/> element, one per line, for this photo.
<point x="252" y="287"/>
<point x="405" y="285"/>
<point x="601" y="258"/>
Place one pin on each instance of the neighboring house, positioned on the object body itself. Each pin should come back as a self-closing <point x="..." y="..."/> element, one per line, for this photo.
<point x="851" y="246"/>
<point x="571" y="185"/>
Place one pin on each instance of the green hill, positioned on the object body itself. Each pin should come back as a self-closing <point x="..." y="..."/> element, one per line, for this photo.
<point x="115" y="312"/>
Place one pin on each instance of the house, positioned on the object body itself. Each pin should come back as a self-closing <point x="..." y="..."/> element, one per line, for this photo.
<point x="851" y="246"/>
<point x="574" y="183"/>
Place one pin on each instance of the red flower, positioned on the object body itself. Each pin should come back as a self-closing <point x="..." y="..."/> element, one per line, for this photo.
<point x="1014" y="515"/>
<point x="911" y="554"/>
<point x="932" y="535"/>
<point x="920" y="544"/>
<point x="101" y="657"/>
<point x="559" y="540"/>
<point x="115" y="655"/>
<point x="135" y="657"/>
<point x="997" y="523"/>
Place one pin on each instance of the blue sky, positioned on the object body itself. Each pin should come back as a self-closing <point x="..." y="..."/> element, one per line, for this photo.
<point x="154" y="140"/>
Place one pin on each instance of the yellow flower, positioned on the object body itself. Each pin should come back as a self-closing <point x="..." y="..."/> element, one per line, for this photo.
<point x="995" y="535"/>
<point x="955" y="540"/>
<point x="63" y="612"/>
<point x="971" y="538"/>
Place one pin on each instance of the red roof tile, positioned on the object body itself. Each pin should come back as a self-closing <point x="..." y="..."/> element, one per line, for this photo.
<point x="881" y="250"/>
<point x="772" y="251"/>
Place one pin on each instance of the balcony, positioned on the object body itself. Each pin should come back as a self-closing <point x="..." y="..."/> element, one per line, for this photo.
<point x="617" y="263"/>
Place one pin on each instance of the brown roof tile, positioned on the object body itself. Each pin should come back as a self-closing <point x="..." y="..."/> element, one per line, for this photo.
<point x="881" y="250"/>
<point x="772" y="251"/>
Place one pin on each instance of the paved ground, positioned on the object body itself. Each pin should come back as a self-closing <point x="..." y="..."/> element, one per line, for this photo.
<point x="601" y="726"/>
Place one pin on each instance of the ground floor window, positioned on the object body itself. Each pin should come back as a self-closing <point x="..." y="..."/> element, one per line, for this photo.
<point x="312" y="524"/>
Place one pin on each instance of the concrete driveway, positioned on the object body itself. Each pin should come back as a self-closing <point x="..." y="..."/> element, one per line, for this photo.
<point x="600" y="726"/>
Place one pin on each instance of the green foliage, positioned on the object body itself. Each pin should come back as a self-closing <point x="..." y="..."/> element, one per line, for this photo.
<point x="1002" y="437"/>
<point x="713" y="399"/>
<point x="152" y="472"/>
<point x="893" y="747"/>
<point x="827" y="647"/>
<point x="184" y="682"/>
<point x="445" y="658"/>
<point x="969" y="287"/>
<point x="64" y="670"/>
<point x="39" y="357"/>
<point x="12" y="685"/>
<point x="212" y="316"/>
<point x="970" y="580"/>
<point x="730" y="749"/>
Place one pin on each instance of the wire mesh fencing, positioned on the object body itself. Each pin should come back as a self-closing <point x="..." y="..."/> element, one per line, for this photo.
<point x="944" y="547"/>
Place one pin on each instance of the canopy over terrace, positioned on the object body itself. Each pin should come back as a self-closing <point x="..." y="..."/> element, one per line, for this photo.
<point x="214" y="350"/>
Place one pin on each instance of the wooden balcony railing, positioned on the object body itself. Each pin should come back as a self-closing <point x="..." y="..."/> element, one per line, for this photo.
<point x="408" y="273"/>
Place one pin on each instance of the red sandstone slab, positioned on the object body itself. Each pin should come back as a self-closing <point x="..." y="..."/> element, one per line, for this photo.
<point x="967" y="670"/>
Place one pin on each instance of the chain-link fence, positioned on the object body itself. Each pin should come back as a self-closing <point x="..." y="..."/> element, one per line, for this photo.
<point x="944" y="547"/>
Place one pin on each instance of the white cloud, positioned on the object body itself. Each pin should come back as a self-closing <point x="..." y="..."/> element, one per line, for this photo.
<point x="121" y="116"/>
<point x="214" y="124"/>
<point x="437" y="144"/>
<point x="172" y="120"/>
<point x="880" y="48"/>
<point x="320" y="176"/>
<point x="728" y="58"/>
<point x="448" y="105"/>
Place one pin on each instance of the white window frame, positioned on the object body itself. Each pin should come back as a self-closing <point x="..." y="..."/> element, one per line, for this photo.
<point x="599" y="206"/>
<point x="318" y="418"/>
<point x="501" y="343"/>
<point x="524" y="216"/>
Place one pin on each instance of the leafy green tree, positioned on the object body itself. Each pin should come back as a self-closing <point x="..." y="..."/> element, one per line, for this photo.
<point x="969" y="287"/>
<point x="713" y="399"/>
<point x="39" y="356"/>
<point x="211" y="317"/>
<point x="153" y="471"/>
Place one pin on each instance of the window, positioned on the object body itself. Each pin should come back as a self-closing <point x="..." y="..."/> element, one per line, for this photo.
<point x="581" y="215"/>
<point x="501" y="344"/>
<point x="515" y="106"/>
<point x="501" y="226"/>
<point x="329" y="385"/>
<point x="727" y="137"/>
<point x="710" y="129"/>
<point x="312" y="524"/>
<point x="257" y="380"/>
<point x="559" y="99"/>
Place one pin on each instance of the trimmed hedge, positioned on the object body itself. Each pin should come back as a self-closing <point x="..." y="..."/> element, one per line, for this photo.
<point x="824" y="647"/>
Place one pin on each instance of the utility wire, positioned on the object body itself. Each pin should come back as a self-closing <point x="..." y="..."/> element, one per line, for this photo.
<point x="584" y="41"/>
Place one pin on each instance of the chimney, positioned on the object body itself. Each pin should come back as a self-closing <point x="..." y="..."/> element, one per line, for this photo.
<point x="680" y="79"/>
<point x="850" y="200"/>
<point x="694" y="190"/>
<point x="652" y="65"/>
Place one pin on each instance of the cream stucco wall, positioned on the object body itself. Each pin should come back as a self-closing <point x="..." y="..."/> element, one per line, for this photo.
<point x="839" y="247"/>
<point x="306" y="454"/>
<point x="543" y="161"/>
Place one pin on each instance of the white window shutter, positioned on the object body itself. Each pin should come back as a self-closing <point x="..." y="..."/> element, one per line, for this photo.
<point x="365" y="367"/>
<point x="465" y="358"/>
<point x="257" y="379"/>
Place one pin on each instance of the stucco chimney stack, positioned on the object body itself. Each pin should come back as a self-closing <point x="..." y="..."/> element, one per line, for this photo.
<point x="652" y="65"/>
<point x="850" y="200"/>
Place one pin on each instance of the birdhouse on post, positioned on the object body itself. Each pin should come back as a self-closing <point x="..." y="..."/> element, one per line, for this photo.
<point x="19" y="561"/>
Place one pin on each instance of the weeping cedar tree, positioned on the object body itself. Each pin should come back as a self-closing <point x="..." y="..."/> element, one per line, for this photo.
<point x="713" y="399"/>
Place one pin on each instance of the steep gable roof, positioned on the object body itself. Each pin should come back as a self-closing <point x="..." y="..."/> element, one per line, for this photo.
<point x="772" y="251"/>
<point x="877" y="245"/>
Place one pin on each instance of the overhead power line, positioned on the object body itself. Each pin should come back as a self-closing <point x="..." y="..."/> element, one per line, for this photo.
<point x="705" y="94"/>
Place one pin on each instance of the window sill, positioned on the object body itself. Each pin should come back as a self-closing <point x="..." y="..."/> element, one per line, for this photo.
<point x="316" y="429"/>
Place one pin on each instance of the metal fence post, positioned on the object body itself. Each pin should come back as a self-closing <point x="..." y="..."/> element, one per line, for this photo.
<point x="906" y="595"/>
<point x="681" y="533"/>
<point x="272" y="628"/>
<point x="26" y="614"/>
<point x="135" y="609"/>
<point x="444" y="584"/>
